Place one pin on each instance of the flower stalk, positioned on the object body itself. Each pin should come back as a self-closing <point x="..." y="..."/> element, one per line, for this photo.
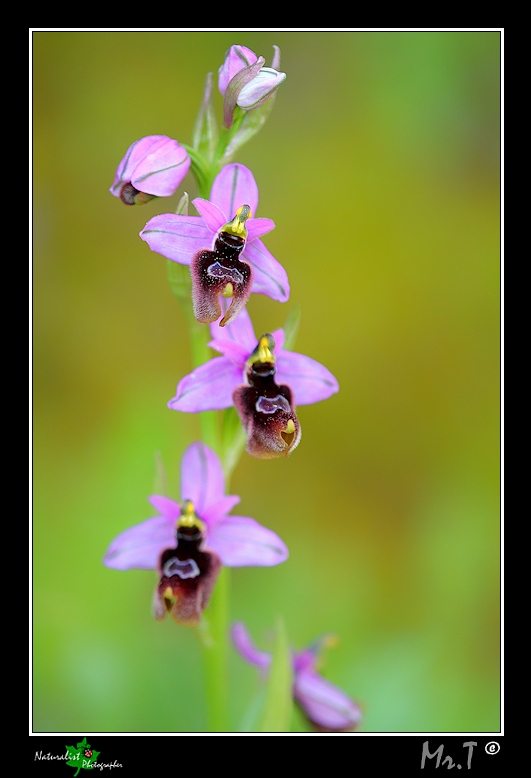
<point x="214" y="636"/>
<point x="181" y="285"/>
<point x="245" y="398"/>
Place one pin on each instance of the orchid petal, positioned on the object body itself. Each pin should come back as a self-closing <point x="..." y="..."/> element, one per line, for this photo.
<point x="202" y="479"/>
<point x="325" y="705"/>
<point x="233" y="351"/>
<point x="134" y="154"/>
<point x="309" y="380"/>
<point x="247" y="649"/>
<point x="207" y="388"/>
<point x="233" y="187"/>
<point x="141" y="546"/>
<point x="168" y="508"/>
<point x="278" y="336"/>
<point x="241" y="541"/>
<point x="269" y="276"/>
<point x="176" y="237"/>
<point x="305" y="660"/>
<point x="258" y="227"/>
<point x="219" y="510"/>
<point x="213" y="217"/>
<point x="161" y="171"/>
<point x="240" y="330"/>
<point x="236" y="58"/>
<point x="257" y="91"/>
<point x="275" y="62"/>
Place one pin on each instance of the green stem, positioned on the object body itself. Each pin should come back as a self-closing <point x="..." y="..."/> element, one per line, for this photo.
<point x="232" y="441"/>
<point x="227" y="441"/>
<point x="199" y="339"/>
<point x="214" y="628"/>
<point x="205" y="169"/>
<point x="200" y="169"/>
<point x="214" y="632"/>
<point x="181" y="286"/>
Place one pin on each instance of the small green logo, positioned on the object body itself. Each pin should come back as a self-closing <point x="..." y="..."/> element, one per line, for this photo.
<point x="82" y="757"/>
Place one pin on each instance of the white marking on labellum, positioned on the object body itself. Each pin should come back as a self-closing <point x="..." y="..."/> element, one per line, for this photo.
<point x="184" y="568"/>
<point x="272" y="404"/>
<point x="216" y="270"/>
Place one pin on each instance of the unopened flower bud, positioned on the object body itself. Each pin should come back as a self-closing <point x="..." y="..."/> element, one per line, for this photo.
<point x="153" y="166"/>
<point x="244" y="81"/>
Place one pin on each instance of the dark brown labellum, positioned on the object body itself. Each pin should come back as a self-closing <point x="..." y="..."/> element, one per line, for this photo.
<point x="220" y="272"/>
<point x="267" y="412"/>
<point x="188" y="574"/>
<point x="128" y="194"/>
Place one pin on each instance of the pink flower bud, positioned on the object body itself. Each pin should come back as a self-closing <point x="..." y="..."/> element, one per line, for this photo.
<point x="153" y="166"/>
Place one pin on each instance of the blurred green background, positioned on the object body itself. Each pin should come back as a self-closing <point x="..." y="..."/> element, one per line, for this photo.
<point x="380" y="167"/>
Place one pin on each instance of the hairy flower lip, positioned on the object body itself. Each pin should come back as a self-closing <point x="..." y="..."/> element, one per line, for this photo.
<point x="221" y="272"/>
<point x="188" y="574"/>
<point x="327" y="707"/>
<point x="267" y="412"/>
<point x="180" y="237"/>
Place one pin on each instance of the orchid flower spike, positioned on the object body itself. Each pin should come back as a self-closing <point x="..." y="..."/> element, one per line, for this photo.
<point x="222" y="246"/>
<point x="244" y="81"/>
<point x="262" y="380"/>
<point x="152" y="167"/>
<point x="325" y="706"/>
<point x="190" y="540"/>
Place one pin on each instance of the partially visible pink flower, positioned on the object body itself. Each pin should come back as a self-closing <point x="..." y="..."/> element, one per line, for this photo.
<point x="325" y="705"/>
<point x="153" y="166"/>
<point x="190" y="239"/>
<point x="189" y="541"/>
